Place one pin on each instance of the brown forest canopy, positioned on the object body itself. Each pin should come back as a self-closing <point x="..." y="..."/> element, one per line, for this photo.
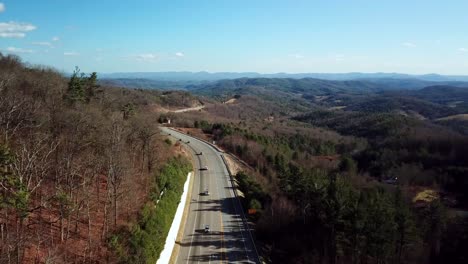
<point x="76" y="162"/>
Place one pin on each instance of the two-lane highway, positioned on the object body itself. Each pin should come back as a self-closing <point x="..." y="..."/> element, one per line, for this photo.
<point x="229" y="240"/>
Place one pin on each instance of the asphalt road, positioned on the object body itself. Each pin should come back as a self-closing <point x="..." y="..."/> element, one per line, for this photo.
<point x="229" y="240"/>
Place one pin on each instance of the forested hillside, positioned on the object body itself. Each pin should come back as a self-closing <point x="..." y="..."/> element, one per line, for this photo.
<point x="78" y="162"/>
<point x="336" y="172"/>
<point x="378" y="180"/>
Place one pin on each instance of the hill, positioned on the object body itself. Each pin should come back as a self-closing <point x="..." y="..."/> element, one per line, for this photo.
<point x="213" y="76"/>
<point x="78" y="163"/>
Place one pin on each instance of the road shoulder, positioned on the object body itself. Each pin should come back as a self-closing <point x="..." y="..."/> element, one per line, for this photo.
<point x="180" y="234"/>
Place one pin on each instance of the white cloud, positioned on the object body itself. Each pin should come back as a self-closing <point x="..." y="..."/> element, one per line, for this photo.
<point x="43" y="43"/>
<point x="71" y="53"/>
<point x="180" y="54"/>
<point x="297" y="56"/>
<point x="15" y="29"/>
<point x="463" y="49"/>
<point x="11" y="35"/>
<point x="2" y="7"/>
<point x="147" y="57"/>
<point x="18" y="50"/>
<point x="55" y="39"/>
<point x="409" y="45"/>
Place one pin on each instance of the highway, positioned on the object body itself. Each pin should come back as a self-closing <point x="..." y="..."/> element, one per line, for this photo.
<point x="229" y="240"/>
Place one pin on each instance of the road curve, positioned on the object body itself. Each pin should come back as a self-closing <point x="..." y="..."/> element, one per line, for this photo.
<point x="229" y="240"/>
<point x="189" y="109"/>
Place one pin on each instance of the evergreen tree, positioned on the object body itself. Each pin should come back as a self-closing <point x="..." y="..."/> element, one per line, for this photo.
<point x="81" y="88"/>
<point x="333" y="214"/>
<point x="436" y="222"/>
<point x="380" y="226"/>
<point x="404" y="225"/>
<point x="91" y="86"/>
<point x="75" y="91"/>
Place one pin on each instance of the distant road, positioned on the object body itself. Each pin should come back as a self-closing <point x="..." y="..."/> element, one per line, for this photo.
<point x="229" y="240"/>
<point x="188" y="109"/>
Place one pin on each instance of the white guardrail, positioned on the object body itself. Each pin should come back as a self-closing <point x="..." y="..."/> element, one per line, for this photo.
<point x="165" y="256"/>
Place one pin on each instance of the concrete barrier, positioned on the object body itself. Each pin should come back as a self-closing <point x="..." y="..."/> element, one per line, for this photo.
<point x="165" y="256"/>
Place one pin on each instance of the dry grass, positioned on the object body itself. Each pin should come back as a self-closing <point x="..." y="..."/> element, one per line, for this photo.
<point x="426" y="196"/>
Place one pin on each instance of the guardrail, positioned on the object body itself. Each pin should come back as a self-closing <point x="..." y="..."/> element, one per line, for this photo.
<point x="165" y="255"/>
<point x="205" y="141"/>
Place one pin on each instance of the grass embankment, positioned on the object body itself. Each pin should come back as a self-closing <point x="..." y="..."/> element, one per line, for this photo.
<point x="146" y="238"/>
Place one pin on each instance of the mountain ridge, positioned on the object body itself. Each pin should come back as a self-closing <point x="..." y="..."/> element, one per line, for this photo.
<point x="212" y="76"/>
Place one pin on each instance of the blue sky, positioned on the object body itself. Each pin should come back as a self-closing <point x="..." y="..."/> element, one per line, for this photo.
<point x="263" y="36"/>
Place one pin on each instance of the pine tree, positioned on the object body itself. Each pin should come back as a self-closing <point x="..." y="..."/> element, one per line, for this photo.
<point x="404" y="225"/>
<point x="91" y="86"/>
<point x="75" y="91"/>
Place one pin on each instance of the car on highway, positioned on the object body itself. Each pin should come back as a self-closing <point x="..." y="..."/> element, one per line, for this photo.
<point x="207" y="229"/>
<point x="188" y="142"/>
<point x="204" y="168"/>
<point x="201" y="153"/>
<point x="206" y="192"/>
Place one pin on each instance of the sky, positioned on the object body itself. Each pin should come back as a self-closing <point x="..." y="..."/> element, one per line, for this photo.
<point x="293" y="36"/>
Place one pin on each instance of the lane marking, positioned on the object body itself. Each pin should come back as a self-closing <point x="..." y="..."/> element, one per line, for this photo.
<point x="242" y="215"/>
<point x="231" y="192"/>
<point x="193" y="231"/>
<point x="221" y="221"/>
<point x="198" y="204"/>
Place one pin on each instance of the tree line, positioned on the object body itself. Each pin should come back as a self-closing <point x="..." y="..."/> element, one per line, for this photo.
<point x="338" y="213"/>
<point x="76" y="163"/>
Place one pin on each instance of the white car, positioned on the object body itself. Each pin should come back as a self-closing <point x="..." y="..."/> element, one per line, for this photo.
<point x="207" y="229"/>
<point x="204" y="168"/>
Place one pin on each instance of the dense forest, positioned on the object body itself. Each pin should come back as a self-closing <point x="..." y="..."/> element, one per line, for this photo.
<point x="337" y="171"/>
<point x="319" y="202"/>
<point x="371" y="182"/>
<point x="79" y="163"/>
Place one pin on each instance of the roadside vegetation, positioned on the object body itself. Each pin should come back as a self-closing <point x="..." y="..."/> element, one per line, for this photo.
<point x="144" y="242"/>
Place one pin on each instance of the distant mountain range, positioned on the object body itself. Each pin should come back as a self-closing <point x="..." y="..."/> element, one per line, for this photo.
<point x="207" y="76"/>
<point x="307" y="85"/>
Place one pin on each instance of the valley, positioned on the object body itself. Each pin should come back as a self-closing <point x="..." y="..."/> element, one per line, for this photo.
<point x="348" y="170"/>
